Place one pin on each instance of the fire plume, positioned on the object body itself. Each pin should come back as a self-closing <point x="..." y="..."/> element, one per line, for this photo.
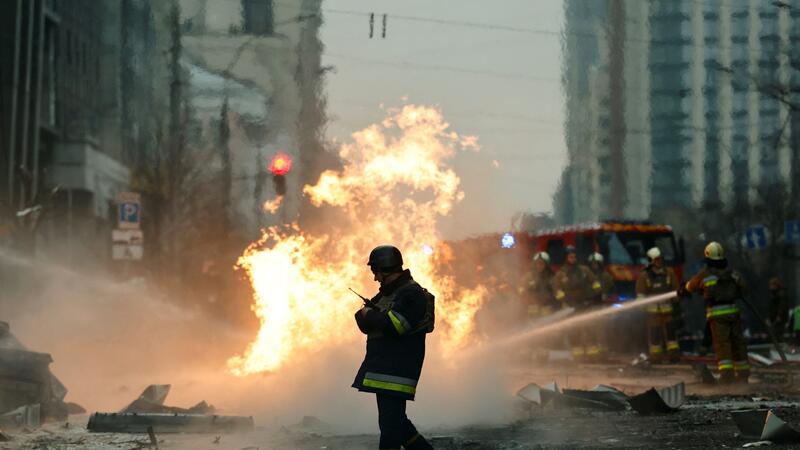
<point x="394" y="186"/>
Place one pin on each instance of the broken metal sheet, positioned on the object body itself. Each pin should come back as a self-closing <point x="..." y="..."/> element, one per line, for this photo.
<point x="540" y="395"/>
<point x="573" y="398"/>
<point x="765" y="425"/>
<point x="167" y="423"/>
<point x="757" y="444"/>
<point x="758" y="359"/>
<point x="152" y="401"/>
<point x="155" y="393"/>
<point x="674" y="396"/>
<point x="659" y="401"/>
<point x="27" y="416"/>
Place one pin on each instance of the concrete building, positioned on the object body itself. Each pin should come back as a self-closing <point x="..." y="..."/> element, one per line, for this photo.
<point x="261" y="59"/>
<point x="72" y="84"/>
<point x="703" y="124"/>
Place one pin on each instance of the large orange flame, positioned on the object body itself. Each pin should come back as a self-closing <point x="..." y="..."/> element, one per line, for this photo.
<point x="394" y="186"/>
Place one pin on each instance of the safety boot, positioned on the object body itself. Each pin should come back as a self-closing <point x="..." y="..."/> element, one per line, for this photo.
<point x="417" y="442"/>
<point x="726" y="377"/>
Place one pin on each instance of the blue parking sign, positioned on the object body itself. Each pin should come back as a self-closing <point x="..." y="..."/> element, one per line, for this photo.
<point x="792" y="231"/>
<point x="756" y="237"/>
<point x="129" y="210"/>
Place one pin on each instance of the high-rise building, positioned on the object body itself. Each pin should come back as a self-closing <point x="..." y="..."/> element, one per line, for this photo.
<point x="704" y="121"/>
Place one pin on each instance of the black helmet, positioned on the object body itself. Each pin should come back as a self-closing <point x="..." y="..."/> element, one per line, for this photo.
<point x="385" y="258"/>
<point x="569" y="249"/>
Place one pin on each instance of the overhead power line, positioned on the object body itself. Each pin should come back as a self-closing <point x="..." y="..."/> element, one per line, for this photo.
<point x="437" y="67"/>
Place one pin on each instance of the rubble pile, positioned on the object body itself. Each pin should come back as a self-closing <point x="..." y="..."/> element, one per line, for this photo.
<point x="29" y="393"/>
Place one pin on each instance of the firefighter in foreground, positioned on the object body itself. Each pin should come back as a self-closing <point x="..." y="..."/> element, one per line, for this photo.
<point x="597" y="264"/>
<point x="656" y="279"/>
<point x="395" y="321"/>
<point x="576" y="286"/>
<point x="722" y="287"/>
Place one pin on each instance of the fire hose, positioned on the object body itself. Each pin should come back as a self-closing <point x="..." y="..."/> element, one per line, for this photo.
<point x="767" y="326"/>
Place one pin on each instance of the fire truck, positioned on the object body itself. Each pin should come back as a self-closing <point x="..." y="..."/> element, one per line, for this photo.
<point x="624" y="245"/>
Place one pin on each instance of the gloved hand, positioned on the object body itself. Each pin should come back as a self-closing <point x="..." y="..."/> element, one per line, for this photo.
<point x="683" y="292"/>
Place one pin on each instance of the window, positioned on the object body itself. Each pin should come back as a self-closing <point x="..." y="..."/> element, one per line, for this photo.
<point x="555" y="248"/>
<point x="630" y="248"/>
<point x="258" y="16"/>
<point x="584" y="246"/>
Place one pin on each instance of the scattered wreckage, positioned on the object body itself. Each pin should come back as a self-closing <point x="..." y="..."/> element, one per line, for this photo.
<point x="608" y="398"/>
<point x="148" y="414"/>
<point x="29" y="393"/>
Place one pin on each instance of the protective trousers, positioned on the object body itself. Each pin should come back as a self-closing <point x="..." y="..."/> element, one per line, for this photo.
<point x="730" y="347"/>
<point x="588" y="341"/>
<point x="396" y="429"/>
<point x="662" y="335"/>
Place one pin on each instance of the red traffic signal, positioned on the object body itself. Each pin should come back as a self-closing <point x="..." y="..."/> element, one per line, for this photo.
<point x="281" y="164"/>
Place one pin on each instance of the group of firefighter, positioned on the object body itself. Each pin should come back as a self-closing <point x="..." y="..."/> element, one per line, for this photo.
<point x="587" y="287"/>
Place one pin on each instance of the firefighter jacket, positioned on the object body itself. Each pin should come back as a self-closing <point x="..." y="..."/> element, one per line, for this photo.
<point x="606" y="285"/>
<point x="576" y="286"/>
<point x="395" y="330"/>
<point x="653" y="281"/>
<point x="537" y="292"/>
<point x="721" y="287"/>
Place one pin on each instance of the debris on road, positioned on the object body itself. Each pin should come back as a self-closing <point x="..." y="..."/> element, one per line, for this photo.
<point x="539" y="395"/>
<point x="152" y="401"/>
<point x="659" y="401"/>
<point x="27" y="416"/>
<point x="167" y="423"/>
<point x="603" y="397"/>
<point x="590" y="399"/>
<point x="148" y="412"/>
<point x="26" y="382"/>
<point x="759" y="359"/>
<point x="765" y="425"/>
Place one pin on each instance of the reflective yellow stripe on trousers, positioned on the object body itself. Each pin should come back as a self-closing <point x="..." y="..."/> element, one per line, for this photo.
<point x="390" y="383"/>
<point x="721" y="310"/>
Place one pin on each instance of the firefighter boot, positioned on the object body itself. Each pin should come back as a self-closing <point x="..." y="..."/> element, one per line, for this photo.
<point x="417" y="443"/>
<point x="742" y="371"/>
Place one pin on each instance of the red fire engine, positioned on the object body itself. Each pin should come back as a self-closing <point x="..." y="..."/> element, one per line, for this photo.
<point x="623" y="244"/>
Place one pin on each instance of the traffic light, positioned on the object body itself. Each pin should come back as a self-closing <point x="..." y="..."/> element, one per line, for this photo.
<point x="280" y="165"/>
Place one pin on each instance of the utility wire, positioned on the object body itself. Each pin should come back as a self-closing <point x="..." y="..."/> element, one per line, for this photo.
<point x="680" y="41"/>
<point x="441" y="68"/>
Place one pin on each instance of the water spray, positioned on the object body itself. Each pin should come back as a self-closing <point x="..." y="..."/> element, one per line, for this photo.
<point x="539" y="329"/>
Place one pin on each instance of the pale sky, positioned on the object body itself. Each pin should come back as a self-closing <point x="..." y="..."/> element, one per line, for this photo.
<point x="498" y="84"/>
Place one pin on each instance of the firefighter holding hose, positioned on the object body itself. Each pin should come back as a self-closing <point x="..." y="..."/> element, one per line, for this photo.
<point x="577" y="287"/>
<point x="722" y="287"/>
<point x="395" y="321"/>
<point x="656" y="279"/>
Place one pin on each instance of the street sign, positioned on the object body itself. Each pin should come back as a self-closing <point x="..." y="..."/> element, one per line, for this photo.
<point x="127" y="245"/>
<point x="129" y="210"/>
<point x="791" y="232"/>
<point x="755" y="237"/>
